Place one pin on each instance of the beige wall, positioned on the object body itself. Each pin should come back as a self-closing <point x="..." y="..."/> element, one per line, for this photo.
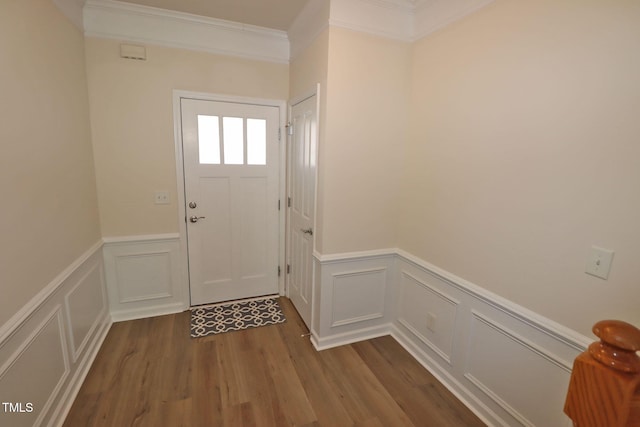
<point x="132" y="123"/>
<point x="49" y="214"/>
<point x="525" y="151"/>
<point x="362" y="150"/>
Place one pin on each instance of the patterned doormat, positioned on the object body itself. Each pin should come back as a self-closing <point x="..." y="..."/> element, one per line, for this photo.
<point x="235" y="316"/>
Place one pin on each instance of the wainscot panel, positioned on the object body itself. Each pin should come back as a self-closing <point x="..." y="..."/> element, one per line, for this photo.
<point x="353" y="297"/>
<point x="507" y="364"/>
<point x="428" y="313"/>
<point x="144" y="276"/>
<point x="47" y="348"/>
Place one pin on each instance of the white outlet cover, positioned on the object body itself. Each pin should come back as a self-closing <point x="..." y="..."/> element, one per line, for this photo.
<point x="162" y="198"/>
<point x="599" y="262"/>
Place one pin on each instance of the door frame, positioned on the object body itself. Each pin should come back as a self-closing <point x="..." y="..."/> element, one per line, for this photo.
<point x="181" y="200"/>
<point x="315" y="91"/>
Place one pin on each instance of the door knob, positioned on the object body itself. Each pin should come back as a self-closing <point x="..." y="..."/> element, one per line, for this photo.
<point x="195" y="218"/>
<point x="193" y="205"/>
<point x="308" y="231"/>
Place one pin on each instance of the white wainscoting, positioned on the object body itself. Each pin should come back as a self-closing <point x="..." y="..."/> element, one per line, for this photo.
<point x="47" y="348"/>
<point x="509" y="365"/>
<point x="353" y="297"/>
<point x="144" y="276"/>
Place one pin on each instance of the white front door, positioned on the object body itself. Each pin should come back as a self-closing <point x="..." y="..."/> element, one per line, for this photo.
<point x="302" y="186"/>
<point x="231" y="172"/>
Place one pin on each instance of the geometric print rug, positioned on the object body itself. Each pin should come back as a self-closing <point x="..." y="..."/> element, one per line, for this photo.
<point x="235" y="316"/>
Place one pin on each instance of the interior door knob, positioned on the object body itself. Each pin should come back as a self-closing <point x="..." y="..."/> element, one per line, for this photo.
<point x="308" y="231"/>
<point x="195" y="218"/>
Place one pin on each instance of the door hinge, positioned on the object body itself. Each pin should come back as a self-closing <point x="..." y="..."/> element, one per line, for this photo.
<point x="278" y="204"/>
<point x="279" y="134"/>
<point x="279" y="271"/>
<point x="289" y="127"/>
<point x="288" y="202"/>
<point x="288" y="269"/>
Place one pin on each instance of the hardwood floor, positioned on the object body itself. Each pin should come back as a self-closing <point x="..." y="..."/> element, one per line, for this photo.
<point x="149" y="372"/>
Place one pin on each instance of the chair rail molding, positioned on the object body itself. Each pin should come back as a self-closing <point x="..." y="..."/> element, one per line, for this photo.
<point x="47" y="348"/>
<point x="475" y="342"/>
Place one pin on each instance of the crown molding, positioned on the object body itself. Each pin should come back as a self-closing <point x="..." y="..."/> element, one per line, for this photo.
<point x="308" y="25"/>
<point x="125" y="21"/>
<point x="405" y="20"/>
<point x="432" y="15"/>
<point x="385" y="18"/>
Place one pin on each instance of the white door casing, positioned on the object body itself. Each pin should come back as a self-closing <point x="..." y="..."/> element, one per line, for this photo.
<point x="301" y="204"/>
<point x="231" y="161"/>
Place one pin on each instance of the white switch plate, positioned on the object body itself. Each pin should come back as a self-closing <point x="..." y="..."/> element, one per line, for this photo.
<point x="599" y="262"/>
<point x="162" y="198"/>
<point x="431" y="322"/>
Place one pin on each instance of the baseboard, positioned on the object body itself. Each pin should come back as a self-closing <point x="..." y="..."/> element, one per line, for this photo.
<point x="346" y="338"/>
<point x="47" y="348"/>
<point x="142" y="313"/>
<point x="509" y="365"/>
<point x="457" y="389"/>
<point x="76" y="383"/>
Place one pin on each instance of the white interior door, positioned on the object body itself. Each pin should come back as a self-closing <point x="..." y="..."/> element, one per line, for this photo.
<point x="231" y="168"/>
<point x="302" y="186"/>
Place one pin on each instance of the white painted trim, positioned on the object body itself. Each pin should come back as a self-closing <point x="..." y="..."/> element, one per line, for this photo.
<point x="431" y="16"/>
<point x="565" y="365"/>
<point x="387" y="19"/>
<point x="120" y="20"/>
<point x="150" y="298"/>
<point x="454" y="302"/>
<point x="178" y="95"/>
<point x="52" y="305"/>
<point x="444" y="356"/>
<point x="145" y="312"/>
<point x="11" y="326"/>
<point x="69" y="395"/>
<point x="403" y="20"/>
<point x="547" y="326"/>
<point x="312" y="21"/>
<point x="76" y="352"/>
<point x="353" y="256"/>
<point x="543" y="324"/>
<point x="444" y="377"/>
<point x="324" y="343"/>
<point x="295" y="101"/>
<point x="362" y="318"/>
<point x="140" y="238"/>
<point x="549" y="344"/>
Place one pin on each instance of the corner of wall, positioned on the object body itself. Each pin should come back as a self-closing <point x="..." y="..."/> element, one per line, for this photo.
<point x="56" y="335"/>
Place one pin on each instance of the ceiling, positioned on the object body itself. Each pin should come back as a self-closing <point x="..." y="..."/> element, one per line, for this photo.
<point x="275" y="14"/>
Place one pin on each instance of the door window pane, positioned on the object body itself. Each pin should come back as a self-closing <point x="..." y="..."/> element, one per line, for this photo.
<point x="233" y="136"/>
<point x="256" y="142"/>
<point x="209" y="139"/>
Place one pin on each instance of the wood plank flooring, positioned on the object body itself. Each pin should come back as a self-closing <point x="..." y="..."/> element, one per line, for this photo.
<point x="149" y="372"/>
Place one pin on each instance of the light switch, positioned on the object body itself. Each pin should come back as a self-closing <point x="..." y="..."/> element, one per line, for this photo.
<point x="599" y="262"/>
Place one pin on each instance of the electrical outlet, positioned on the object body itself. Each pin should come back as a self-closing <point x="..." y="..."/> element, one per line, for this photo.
<point x="599" y="262"/>
<point x="162" y="198"/>
<point x="431" y="322"/>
